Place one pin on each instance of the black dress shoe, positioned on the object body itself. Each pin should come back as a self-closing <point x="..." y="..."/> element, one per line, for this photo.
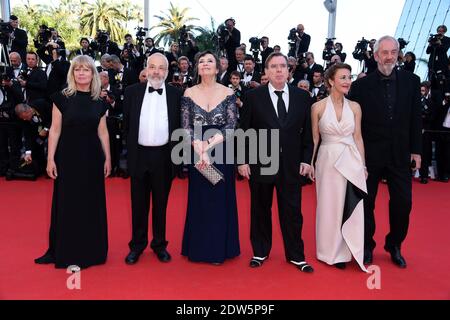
<point x="368" y="256"/>
<point x="257" y="262"/>
<point x="396" y="256"/>
<point x="132" y="257"/>
<point x="423" y="180"/>
<point x="303" y="267"/>
<point x="47" y="258"/>
<point x="340" y="265"/>
<point x="442" y="179"/>
<point x="163" y="256"/>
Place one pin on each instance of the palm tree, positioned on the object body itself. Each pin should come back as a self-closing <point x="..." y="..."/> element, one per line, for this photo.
<point x="171" y="23"/>
<point x="103" y="15"/>
<point x="207" y="39"/>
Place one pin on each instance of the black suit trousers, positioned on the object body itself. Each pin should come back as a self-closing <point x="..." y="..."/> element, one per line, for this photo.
<point x="399" y="181"/>
<point x="289" y="211"/>
<point x="152" y="180"/>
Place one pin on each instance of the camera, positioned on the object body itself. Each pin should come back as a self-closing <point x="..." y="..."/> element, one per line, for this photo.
<point x="293" y="34"/>
<point x="140" y="35"/>
<point x="329" y="51"/>
<point x="23" y="74"/>
<point x="255" y="43"/>
<point x="402" y="42"/>
<point x="5" y="31"/>
<point x="43" y="36"/>
<point x="302" y="59"/>
<point x="435" y="40"/>
<point x="102" y="36"/>
<point x="360" y="49"/>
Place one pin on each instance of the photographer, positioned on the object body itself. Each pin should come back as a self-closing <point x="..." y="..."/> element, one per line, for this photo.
<point x="10" y="131"/>
<point x="237" y="64"/>
<point x="369" y="58"/>
<point x="232" y="40"/>
<point x="409" y="62"/>
<point x="172" y="57"/>
<point x="18" y="37"/>
<point x="299" y="41"/>
<point x="133" y="52"/>
<point x="34" y="81"/>
<point x="338" y="50"/>
<point x="235" y="84"/>
<point x="36" y="121"/>
<point x="443" y="139"/>
<point x="149" y="46"/>
<point x="57" y="67"/>
<point x="427" y="120"/>
<point x="104" y="45"/>
<point x="85" y="49"/>
<point x="113" y="122"/>
<point x="266" y="50"/>
<point x="328" y="51"/>
<point x="438" y="46"/>
<point x="188" y="46"/>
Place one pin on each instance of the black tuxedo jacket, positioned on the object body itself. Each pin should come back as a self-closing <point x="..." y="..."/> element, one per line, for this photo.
<point x="225" y="80"/>
<point x="264" y="55"/>
<point x="36" y="87"/>
<point x="296" y="144"/>
<point x="304" y="44"/>
<point x="57" y="79"/>
<point x="20" y="43"/>
<point x="390" y="141"/>
<point x="134" y="96"/>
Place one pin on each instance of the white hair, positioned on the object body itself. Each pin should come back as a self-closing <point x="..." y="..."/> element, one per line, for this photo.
<point x="376" y="47"/>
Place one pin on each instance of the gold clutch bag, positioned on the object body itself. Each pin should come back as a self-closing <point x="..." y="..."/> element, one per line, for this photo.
<point x="211" y="173"/>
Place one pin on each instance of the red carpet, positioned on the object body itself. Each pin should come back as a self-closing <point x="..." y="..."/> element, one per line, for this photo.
<point x="25" y="214"/>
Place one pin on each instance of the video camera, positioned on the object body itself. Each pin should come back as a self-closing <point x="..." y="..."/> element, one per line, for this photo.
<point x="435" y="40"/>
<point x="293" y="35"/>
<point x="140" y="35"/>
<point x="255" y="44"/>
<point x="360" y="49"/>
<point x="5" y="31"/>
<point x="402" y="42"/>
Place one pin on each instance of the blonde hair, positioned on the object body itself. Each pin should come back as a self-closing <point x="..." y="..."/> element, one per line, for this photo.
<point x="95" y="87"/>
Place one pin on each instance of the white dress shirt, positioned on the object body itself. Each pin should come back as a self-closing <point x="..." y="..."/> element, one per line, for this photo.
<point x="154" y="119"/>
<point x="274" y="97"/>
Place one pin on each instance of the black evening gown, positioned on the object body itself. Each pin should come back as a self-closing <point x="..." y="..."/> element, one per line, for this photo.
<point x="211" y="230"/>
<point x="78" y="230"/>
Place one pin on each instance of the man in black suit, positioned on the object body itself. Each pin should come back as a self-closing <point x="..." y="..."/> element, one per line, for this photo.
<point x="232" y="41"/>
<point x="34" y="84"/>
<point x="17" y="67"/>
<point x="283" y="110"/>
<point x="251" y="77"/>
<point x="223" y="76"/>
<point x="266" y="50"/>
<point x="152" y="113"/>
<point x="391" y="128"/>
<point x="36" y="122"/>
<point x="57" y="67"/>
<point x="303" y="41"/>
<point x="312" y="66"/>
<point x="19" y="38"/>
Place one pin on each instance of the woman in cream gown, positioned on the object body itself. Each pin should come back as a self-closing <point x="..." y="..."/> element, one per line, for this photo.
<point x="340" y="173"/>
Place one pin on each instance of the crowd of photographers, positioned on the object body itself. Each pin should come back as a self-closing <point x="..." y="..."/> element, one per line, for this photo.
<point x="29" y="78"/>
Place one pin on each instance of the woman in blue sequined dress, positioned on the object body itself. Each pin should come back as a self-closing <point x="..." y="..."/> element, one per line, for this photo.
<point x="209" y="116"/>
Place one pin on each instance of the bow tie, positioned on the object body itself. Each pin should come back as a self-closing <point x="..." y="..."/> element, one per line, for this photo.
<point x="151" y="89"/>
<point x="249" y="74"/>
